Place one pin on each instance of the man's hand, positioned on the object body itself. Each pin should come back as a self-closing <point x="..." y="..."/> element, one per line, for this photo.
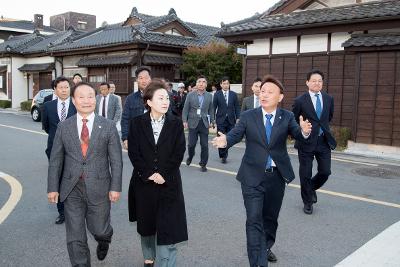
<point x="219" y="141"/>
<point x="185" y="125"/>
<point x="114" y="196"/>
<point x="125" y="144"/>
<point x="52" y="197"/>
<point x="305" y="125"/>
<point x="157" y="178"/>
<point x="211" y="125"/>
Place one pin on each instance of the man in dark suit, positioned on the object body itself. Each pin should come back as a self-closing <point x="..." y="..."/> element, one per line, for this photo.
<point x="252" y="101"/>
<point x="52" y="96"/>
<point x="107" y="105"/>
<point x="317" y="107"/>
<point x="198" y="116"/>
<point x="265" y="167"/>
<point x="227" y="112"/>
<point x="134" y="102"/>
<point x="54" y="112"/>
<point x="87" y="154"/>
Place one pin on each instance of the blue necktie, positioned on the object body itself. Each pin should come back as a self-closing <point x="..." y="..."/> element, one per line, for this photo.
<point x="268" y="130"/>
<point x="318" y="110"/>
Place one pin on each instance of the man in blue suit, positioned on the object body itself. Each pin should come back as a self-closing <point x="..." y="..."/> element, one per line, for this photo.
<point x="226" y="106"/>
<point x="265" y="167"/>
<point x="56" y="111"/>
<point x="134" y="102"/>
<point x="317" y="107"/>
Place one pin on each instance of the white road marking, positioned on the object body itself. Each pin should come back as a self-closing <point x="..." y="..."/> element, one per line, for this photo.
<point x="23" y="129"/>
<point x="15" y="196"/>
<point x="332" y="193"/>
<point x="382" y="250"/>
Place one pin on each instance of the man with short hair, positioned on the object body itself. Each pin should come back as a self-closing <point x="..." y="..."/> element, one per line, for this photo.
<point x="317" y="106"/>
<point x="92" y="175"/>
<point x="107" y="105"/>
<point x="134" y="102"/>
<point x="198" y="116"/>
<point x="54" y="112"/>
<point x="227" y="110"/>
<point x="252" y="101"/>
<point x="265" y="167"/>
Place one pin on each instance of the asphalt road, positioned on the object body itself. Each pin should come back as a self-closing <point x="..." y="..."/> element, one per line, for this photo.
<point x="216" y="218"/>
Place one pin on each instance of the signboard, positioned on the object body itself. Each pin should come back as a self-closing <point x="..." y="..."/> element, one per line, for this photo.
<point x="241" y="51"/>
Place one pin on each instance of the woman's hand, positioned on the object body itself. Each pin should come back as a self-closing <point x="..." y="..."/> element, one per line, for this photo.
<point x="157" y="178"/>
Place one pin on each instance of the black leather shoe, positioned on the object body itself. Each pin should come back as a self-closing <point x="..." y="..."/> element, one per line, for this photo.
<point x="188" y="161"/>
<point x="314" y="197"/>
<point x="102" y="250"/>
<point x="271" y="256"/>
<point x="308" y="209"/>
<point x="223" y="160"/>
<point x="60" y="219"/>
<point x="203" y="168"/>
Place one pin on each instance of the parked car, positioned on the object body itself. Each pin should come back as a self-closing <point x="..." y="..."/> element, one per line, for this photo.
<point x="37" y="103"/>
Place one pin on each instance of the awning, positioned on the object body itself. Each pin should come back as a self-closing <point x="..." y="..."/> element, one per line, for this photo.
<point x="107" y="61"/>
<point x="3" y="68"/>
<point x="37" y="67"/>
<point x="162" y="60"/>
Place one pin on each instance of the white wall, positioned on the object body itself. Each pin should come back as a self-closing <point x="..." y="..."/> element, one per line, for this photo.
<point x="337" y="39"/>
<point x="19" y="83"/>
<point x="258" y="47"/>
<point x="284" y="45"/>
<point x="313" y="43"/>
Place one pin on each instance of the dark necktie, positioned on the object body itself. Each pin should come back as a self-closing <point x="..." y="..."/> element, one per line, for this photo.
<point x="103" y="109"/>
<point x="63" y="112"/>
<point x="318" y="110"/>
<point x="84" y="138"/>
<point x="268" y="130"/>
<point x="226" y="98"/>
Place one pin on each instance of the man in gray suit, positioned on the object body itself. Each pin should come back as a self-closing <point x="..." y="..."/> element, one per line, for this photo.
<point x="265" y="167"/>
<point x="88" y="147"/>
<point x="107" y="105"/>
<point x="198" y="116"/>
<point x="252" y="101"/>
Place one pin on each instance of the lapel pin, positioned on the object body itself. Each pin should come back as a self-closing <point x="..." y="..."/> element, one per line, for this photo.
<point x="100" y="126"/>
<point x="280" y="117"/>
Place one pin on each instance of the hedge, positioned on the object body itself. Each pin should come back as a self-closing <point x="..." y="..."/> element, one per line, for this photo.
<point x="5" y="104"/>
<point x="26" y="105"/>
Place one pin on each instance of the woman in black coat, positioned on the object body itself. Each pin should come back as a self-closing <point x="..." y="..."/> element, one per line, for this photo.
<point x="156" y="146"/>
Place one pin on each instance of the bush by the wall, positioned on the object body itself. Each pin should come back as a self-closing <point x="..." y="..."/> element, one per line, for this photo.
<point x="26" y="105"/>
<point x="342" y="135"/>
<point x="5" y="104"/>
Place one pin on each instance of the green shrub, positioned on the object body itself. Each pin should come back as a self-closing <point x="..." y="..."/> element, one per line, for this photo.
<point x="342" y="135"/>
<point x="26" y="105"/>
<point x="5" y="104"/>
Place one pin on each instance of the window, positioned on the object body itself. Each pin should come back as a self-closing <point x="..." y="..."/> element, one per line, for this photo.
<point x="96" y="78"/>
<point x="82" y="25"/>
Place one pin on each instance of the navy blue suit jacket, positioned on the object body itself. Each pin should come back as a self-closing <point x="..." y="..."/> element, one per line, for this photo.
<point x="50" y="121"/>
<point x="133" y="107"/>
<point x="251" y="124"/>
<point x="304" y="106"/>
<point x="222" y="110"/>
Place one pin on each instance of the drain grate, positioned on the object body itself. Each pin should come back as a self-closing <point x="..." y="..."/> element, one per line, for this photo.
<point x="378" y="173"/>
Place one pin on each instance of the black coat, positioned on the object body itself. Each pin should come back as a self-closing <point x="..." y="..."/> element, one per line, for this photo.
<point x="158" y="209"/>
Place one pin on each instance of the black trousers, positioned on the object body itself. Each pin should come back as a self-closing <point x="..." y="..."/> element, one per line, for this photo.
<point x="202" y="131"/>
<point x="225" y="127"/>
<point x="263" y="204"/>
<point x="322" y="154"/>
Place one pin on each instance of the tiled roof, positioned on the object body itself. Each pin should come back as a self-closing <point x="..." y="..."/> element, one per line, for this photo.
<point x="351" y="13"/>
<point x="19" y="43"/>
<point x="159" y="60"/>
<point x="24" y="25"/>
<point x="106" y="61"/>
<point x="371" y="40"/>
<point x="37" y="67"/>
<point x="276" y="6"/>
<point x="117" y="34"/>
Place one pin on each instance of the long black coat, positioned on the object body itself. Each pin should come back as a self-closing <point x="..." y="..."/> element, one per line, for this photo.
<point x="158" y="209"/>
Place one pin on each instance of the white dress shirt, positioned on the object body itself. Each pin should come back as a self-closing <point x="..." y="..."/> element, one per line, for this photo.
<point x="89" y="123"/>
<point x="227" y="96"/>
<point x="314" y="100"/>
<point x="256" y="103"/>
<point x="101" y="104"/>
<point x="59" y="107"/>
<point x="157" y="126"/>
<point x="272" y="123"/>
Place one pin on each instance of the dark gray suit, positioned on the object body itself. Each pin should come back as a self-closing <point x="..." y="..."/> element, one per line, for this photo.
<point x="198" y="124"/>
<point x="263" y="191"/>
<point x="114" y="110"/>
<point x="248" y="103"/>
<point x="86" y="182"/>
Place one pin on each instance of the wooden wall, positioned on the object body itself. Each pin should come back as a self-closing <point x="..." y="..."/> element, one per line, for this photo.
<point x="365" y="87"/>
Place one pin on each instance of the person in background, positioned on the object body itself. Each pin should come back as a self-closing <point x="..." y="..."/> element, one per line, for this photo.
<point x="77" y="78"/>
<point x="107" y="105"/>
<point x="253" y="101"/>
